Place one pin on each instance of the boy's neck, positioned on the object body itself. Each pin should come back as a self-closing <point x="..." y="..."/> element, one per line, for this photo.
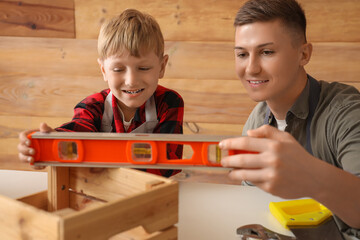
<point x="128" y="113"/>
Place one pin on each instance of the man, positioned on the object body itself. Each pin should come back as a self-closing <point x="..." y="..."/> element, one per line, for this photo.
<point x="312" y="146"/>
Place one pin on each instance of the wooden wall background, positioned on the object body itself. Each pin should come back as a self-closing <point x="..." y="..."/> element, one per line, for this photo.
<point x="48" y="59"/>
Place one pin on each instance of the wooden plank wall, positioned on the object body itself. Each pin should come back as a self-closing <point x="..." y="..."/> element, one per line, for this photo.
<point x="48" y="59"/>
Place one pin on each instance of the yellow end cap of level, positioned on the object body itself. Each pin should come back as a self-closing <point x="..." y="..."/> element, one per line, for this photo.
<point x="300" y="212"/>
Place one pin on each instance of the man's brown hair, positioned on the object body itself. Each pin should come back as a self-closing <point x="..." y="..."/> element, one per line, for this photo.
<point x="289" y="12"/>
<point x="133" y="31"/>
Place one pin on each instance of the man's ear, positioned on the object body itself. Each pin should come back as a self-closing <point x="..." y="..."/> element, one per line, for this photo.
<point x="163" y="65"/>
<point x="101" y="65"/>
<point x="306" y="51"/>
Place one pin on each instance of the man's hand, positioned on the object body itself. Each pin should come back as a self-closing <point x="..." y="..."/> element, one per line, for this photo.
<point x="26" y="153"/>
<point x="282" y="167"/>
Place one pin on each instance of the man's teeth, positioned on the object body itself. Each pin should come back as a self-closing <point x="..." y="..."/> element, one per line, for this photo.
<point x="257" y="82"/>
<point x="133" y="92"/>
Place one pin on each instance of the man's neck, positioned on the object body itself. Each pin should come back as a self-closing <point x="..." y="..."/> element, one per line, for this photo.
<point x="280" y="106"/>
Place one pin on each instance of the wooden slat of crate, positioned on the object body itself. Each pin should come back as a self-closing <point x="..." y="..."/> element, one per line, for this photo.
<point x="135" y="205"/>
<point x="107" y="184"/>
<point x="58" y="188"/>
<point x="22" y="221"/>
<point x="139" y="233"/>
<point x="38" y="200"/>
<point x="37" y="18"/>
<point x="188" y="20"/>
<point x="117" y="216"/>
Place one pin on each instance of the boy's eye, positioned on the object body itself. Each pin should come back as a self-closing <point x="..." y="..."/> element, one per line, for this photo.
<point x="144" y="68"/>
<point x="118" y="69"/>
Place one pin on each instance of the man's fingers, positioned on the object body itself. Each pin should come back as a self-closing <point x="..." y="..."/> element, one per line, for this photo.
<point x="241" y="161"/>
<point x="255" y="176"/>
<point x="265" y="131"/>
<point x="245" y="143"/>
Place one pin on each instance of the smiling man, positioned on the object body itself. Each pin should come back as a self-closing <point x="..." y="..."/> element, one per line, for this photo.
<point x="307" y="132"/>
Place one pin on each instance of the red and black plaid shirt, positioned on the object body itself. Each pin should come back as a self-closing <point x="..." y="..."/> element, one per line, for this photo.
<point x="169" y="107"/>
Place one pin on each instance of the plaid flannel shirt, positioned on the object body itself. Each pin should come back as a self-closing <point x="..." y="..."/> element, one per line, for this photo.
<point x="169" y="107"/>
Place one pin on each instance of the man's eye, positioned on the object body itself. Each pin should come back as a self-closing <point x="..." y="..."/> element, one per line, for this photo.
<point x="118" y="69"/>
<point x="267" y="52"/>
<point x="241" y="55"/>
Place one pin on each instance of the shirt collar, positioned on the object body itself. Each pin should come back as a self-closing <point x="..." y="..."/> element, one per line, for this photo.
<point x="301" y="106"/>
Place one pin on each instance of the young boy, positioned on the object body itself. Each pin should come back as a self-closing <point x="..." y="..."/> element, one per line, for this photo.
<point x="312" y="146"/>
<point x="131" y="60"/>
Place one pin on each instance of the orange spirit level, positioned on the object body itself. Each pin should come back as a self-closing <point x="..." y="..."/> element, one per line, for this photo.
<point x="125" y="149"/>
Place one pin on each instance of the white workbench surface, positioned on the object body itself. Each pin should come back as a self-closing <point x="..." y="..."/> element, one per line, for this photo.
<point x="16" y="184"/>
<point x="214" y="211"/>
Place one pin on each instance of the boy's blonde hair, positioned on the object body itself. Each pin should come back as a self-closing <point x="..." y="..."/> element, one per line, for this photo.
<point x="133" y="31"/>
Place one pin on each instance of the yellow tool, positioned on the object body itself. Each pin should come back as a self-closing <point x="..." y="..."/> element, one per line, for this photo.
<point x="301" y="212"/>
<point x="307" y="219"/>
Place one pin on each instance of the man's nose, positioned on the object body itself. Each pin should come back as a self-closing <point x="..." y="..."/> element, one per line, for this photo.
<point x="253" y="66"/>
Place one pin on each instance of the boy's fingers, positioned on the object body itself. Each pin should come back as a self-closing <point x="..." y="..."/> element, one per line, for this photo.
<point x="23" y="136"/>
<point x="38" y="167"/>
<point x="45" y="128"/>
<point x="25" y="158"/>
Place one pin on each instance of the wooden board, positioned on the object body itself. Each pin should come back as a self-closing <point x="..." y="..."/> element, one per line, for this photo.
<point x="38" y="200"/>
<point x="188" y="20"/>
<point x="54" y="83"/>
<point x="40" y="58"/>
<point x="37" y="18"/>
<point x="58" y="188"/>
<point x="23" y="221"/>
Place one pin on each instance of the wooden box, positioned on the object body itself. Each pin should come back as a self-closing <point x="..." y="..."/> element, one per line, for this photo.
<point x="94" y="203"/>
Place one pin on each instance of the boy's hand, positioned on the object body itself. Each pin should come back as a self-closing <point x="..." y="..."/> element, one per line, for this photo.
<point x="282" y="167"/>
<point x="25" y="151"/>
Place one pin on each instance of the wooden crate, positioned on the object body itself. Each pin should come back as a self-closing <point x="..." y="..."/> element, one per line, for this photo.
<point x="94" y="203"/>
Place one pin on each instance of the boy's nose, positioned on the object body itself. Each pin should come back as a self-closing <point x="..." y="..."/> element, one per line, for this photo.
<point x="130" y="78"/>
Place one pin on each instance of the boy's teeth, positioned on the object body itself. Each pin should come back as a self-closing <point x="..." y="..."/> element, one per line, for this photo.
<point x="133" y="92"/>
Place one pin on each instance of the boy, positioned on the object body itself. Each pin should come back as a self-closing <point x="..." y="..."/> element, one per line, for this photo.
<point x="312" y="148"/>
<point x="132" y="60"/>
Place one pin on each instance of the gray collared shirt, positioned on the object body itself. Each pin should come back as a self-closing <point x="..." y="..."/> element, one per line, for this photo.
<point x="335" y="127"/>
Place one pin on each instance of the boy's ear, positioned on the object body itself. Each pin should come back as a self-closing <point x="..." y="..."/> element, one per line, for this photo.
<point x="101" y="65"/>
<point x="306" y="51"/>
<point x="163" y="65"/>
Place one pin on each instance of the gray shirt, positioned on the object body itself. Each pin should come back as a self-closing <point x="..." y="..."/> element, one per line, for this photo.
<point x="335" y="127"/>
